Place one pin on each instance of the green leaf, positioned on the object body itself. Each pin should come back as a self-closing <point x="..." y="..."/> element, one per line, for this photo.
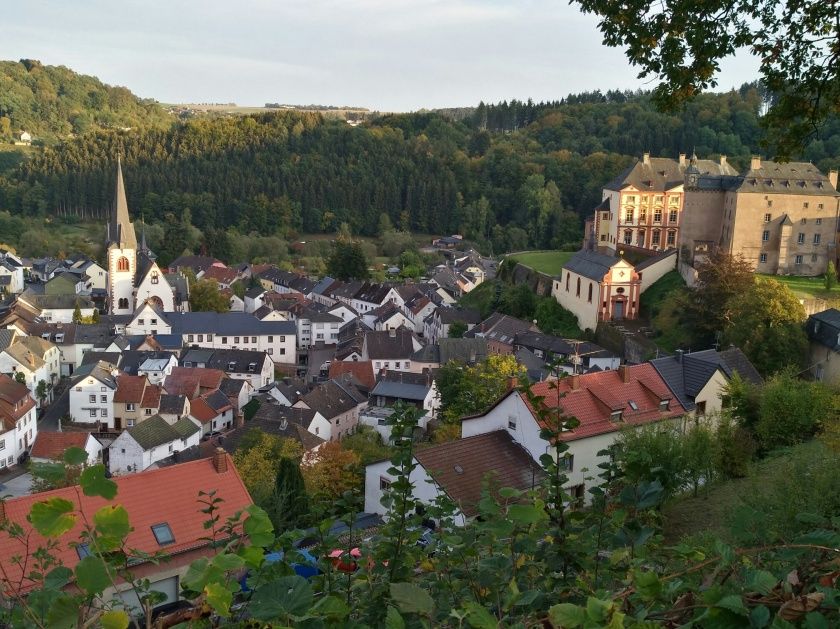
<point x="52" y="517"/>
<point x="283" y="597"/>
<point x="114" y="620"/>
<point x="111" y="521"/>
<point x="252" y="556"/>
<point x="64" y="612"/>
<point x="393" y="620"/>
<point x="526" y="514"/>
<point x="597" y="610"/>
<point x="219" y="598"/>
<point x="567" y="615"/>
<point x="647" y="584"/>
<point x="91" y="575"/>
<point x="57" y="578"/>
<point x="94" y="483"/>
<point x="332" y="607"/>
<point x="761" y="581"/>
<point x="815" y="620"/>
<point x="258" y="527"/>
<point x="227" y="562"/>
<point x="479" y="617"/>
<point x="819" y="537"/>
<point x="75" y="456"/>
<point x="411" y="599"/>
<point x="734" y="604"/>
<point x="759" y="617"/>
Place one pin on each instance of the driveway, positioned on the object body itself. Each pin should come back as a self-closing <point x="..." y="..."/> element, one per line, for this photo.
<point x="17" y="486"/>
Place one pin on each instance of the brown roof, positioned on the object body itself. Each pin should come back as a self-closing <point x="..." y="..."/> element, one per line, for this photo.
<point x="461" y="467"/>
<point x="52" y="445"/>
<point x="130" y="388"/>
<point x="15" y="401"/>
<point x="202" y="411"/>
<point x="361" y="370"/>
<point x="192" y="381"/>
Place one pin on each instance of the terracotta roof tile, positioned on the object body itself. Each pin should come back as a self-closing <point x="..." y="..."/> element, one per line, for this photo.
<point x="168" y="495"/>
<point x="361" y="370"/>
<point x="52" y="445"/>
<point x="130" y="389"/>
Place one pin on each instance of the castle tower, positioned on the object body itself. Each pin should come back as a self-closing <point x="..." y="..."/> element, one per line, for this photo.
<point x="122" y="253"/>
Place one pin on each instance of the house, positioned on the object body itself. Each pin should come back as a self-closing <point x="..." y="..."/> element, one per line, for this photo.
<point x="823" y="329"/>
<point x="317" y="328"/>
<point x="699" y="379"/>
<point x="96" y="282"/>
<point x="11" y="273"/>
<point x="36" y="359"/>
<point x="149" y="442"/>
<point x="92" y="396"/>
<point x="64" y="283"/>
<point x="23" y="139"/>
<point x="597" y="287"/>
<point x="222" y="275"/>
<point x="280" y="421"/>
<point x="464" y="351"/>
<point x="372" y="296"/>
<point x="500" y="330"/>
<point x="167" y="525"/>
<point x="136" y="399"/>
<point x="57" y="308"/>
<point x="387" y="317"/>
<point x="344" y="312"/>
<point x="418" y="390"/>
<point x="254" y="299"/>
<point x="156" y="368"/>
<point x="238" y="392"/>
<point x="173" y="407"/>
<point x="254" y="366"/>
<point x="437" y="325"/>
<point x="195" y="264"/>
<point x="361" y="371"/>
<point x="338" y="402"/>
<point x="51" y="446"/>
<point x="417" y="309"/>
<point x="74" y="341"/>
<point x="602" y="402"/>
<point x="212" y="411"/>
<point x="448" y="242"/>
<point x="459" y="471"/>
<point x="571" y="356"/>
<point x="390" y="349"/>
<point x="18" y="421"/>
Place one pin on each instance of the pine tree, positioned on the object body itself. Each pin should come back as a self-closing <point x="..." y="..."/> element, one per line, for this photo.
<point x="291" y="506"/>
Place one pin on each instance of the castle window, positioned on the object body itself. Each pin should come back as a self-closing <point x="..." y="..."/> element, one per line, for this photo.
<point x="819" y="221"/>
<point x="767" y="218"/>
<point x="657" y="216"/>
<point x="122" y="264"/>
<point x="800" y="239"/>
<point x="672" y="237"/>
<point x="628" y="236"/>
<point x="656" y="238"/>
<point x="628" y="216"/>
<point x="762" y="257"/>
<point x="797" y="260"/>
<point x="816" y="239"/>
<point x="765" y="235"/>
<point x="803" y="221"/>
<point x="578" y="288"/>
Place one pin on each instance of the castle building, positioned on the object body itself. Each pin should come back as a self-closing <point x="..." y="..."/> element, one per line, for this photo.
<point x="134" y="277"/>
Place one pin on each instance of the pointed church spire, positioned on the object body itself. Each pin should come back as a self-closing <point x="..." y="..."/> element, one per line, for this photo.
<point x="120" y="229"/>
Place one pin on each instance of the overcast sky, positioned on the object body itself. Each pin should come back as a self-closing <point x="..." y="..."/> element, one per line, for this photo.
<point x="391" y="55"/>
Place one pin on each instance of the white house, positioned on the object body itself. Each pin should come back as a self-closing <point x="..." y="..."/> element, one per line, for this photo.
<point x="157" y="368"/>
<point x="212" y="412"/>
<point x="254" y="366"/>
<point x="91" y="397"/>
<point x="390" y="349"/>
<point x="18" y="421"/>
<point x="317" y="328"/>
<point x="149" y="442"/>
<point x="11" y="273"/>
<point x="50" y="446"/>
<point x="36" y="359"/>
<point x="337" y="404"/>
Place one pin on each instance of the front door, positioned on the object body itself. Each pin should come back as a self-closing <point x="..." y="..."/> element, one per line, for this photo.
<point x="118" y="423"/>
<point x="618" y="310"/>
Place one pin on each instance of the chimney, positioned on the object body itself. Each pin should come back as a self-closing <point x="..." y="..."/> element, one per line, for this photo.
<point x="679" y="355"/>
<point x="220" y="460"/>
<point x="574" y="382"/>
<point x="623" y="373"/>
<point x="832" y="178"/>
<point x="512" y="383"/>
<point x="646" y="159"/>
<point x="682" y="160"/>
<point x="723" y="160"/>
<point x="755" y="163"/>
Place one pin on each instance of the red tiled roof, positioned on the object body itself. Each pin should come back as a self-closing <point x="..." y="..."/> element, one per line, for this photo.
<point x="130" y="388"/>
<point x="362" y="370"/>
<point x="15" y="401"/>
<point x="202" y="411"/>
<point x="52" y="445"/>
<point x="599" y="394"/>
<point x="151" y="397"/>
<point x="223" y="275"/>
<point x="168" y="495"/>
<point x="187" y="380"/>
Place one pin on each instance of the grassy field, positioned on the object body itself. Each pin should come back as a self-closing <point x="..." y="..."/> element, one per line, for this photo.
<point x="549" y="262"/>
<point x="652" y="298"/>
<point x="807" y="287"/>
<point x="708" y="513"/>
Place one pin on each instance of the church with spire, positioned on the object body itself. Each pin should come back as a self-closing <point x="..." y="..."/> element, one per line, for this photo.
<point x="134" y="277"/>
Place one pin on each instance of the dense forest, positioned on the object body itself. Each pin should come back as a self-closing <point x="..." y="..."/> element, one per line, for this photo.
<point x="508" y="176"/>
<point x="52" y="102"/>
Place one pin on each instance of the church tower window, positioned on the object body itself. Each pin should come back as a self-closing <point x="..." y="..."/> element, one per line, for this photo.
<point x="122" y="264"/>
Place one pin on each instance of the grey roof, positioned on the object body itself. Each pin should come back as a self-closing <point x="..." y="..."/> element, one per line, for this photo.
<point x="227" y="323"/>
<point x="468" y="351"/>
<point x="663" y="173"/>
<point x="172" y="404"/>
<point x="824" y="328"/>
<point x="333" y="398"/>
<point x="65" y="302"/>
<point x="590" y="264"/>
<point x="786" y="178"/>
<point x="281" y="421"/>
<point x="102" y="372"/>
<point x="231" y="387"/>
<point x="99" y="334"/>
<point x="402" y="390"/>
<point x="237" y="360"/>
<point x="132" y="359"/>
<point x="217" y="400"/>
<point x="427" y="354"/>
<point x="534" y="366"/>
<point x="381" y="345"/>
<point x="92" y="357"/>
<point x="687" y="374"/>
<point x="120" y="229"/>
<point x="197" y="263"/>
<point x="254" y="292"/>
<point x="156" y="431"/>
<point x="6" y="337"/>
<point x="196" y="357"/>
<point x="500" y="327"/>
<point x="451" y="315"/>
<point x="179" y="284"/>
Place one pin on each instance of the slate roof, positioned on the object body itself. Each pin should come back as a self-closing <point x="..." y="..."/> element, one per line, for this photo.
<point x="382" y="345"/>
<point x="664" y="173"/>
<point x="462" y="467"/>
<point x="172" y="404"/>
<point x="132" y="359"/>
<point x="467" y="350"/>
<point x="824" y="328"/>
<point x="196" y="263"/>
<point x="151" y="497"/>
<point x="451" y="315"/>
<point x="500" y="328"/>
<point x="156" y="431"/>
<point x="401" y="386"/>
<point x="332" y="398"/>
<point x="6" y="338"/>
<point x="231" y="387"/>
<point x="280" y="421"/>
<point x="241" y="359"/>
<point x="590" y="264"/>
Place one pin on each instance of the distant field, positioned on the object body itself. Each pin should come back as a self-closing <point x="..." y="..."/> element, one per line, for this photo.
<point x="549" y="262"/>
<point x="805" y="287"/>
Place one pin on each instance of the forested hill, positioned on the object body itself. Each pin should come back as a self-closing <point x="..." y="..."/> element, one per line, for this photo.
<point x="289" y="172"/>
<point x="52" y="102"/>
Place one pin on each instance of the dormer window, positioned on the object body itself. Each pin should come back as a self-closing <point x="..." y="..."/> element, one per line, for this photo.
<point x="616" y="416"/>
<point x="231" y="366"/>
<point x="664" y="404"/>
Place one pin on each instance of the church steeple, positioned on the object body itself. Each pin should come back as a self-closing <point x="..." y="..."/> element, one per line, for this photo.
<point x="120" y="230"/>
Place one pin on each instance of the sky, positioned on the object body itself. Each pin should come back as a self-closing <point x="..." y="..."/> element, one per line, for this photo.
<point x="387" y="55"/>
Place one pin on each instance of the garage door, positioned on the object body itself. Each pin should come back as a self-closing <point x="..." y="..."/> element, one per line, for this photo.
<point x="168" y="587"/>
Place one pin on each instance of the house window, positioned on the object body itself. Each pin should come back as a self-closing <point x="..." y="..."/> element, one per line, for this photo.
<point x="816" y="239"/>
<point x="800" y="238"/>
<point x="271" y="351"/>
<point x="628" y="216"/>
<point x="657" y="216"/>
<point x="511" y="422"/>
<point x="765" y="235"/>
<point x="129" y="423"/>
<point x="672" y="216"/>
<point x="92" y="412"/>
<point x="567" y="462"/>
<point x="664" y="404"/>
<point x="282" y="350"/>
<point x="103" y="412"/>
<point x="2" y="444"/>
<point x="767" y="218"/>
<point x="190" y="338"/>
<point x="282" y="339"/>
<point x="762" y="257"/>
<point x="92" y="398"/>
<point x="129" y="406"/>
<point x="103" y="399"/>
<point x="270" y="339"/>
<point x="701" y="409"/>
<point x="797" y="260"/>
<point x="813" y="257"/>
<point x="148" y="411"/>
<point x="577" y="492"/>
<point x="615" y="416"/>
<point x="163" y="534"/>
<point x="672" y="237"/>
<point x="236" y="340"/>
<point x="141" y="322"/>
<point x="384" y="484"/>
<point x="224" y="340"/>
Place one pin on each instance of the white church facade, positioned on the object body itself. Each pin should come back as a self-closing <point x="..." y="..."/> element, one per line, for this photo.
<point x="134" y="277"/>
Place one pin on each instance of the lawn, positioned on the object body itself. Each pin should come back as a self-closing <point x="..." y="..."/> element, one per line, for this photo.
<point x="548" y="262"/>
<point x="806" y="287"/>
